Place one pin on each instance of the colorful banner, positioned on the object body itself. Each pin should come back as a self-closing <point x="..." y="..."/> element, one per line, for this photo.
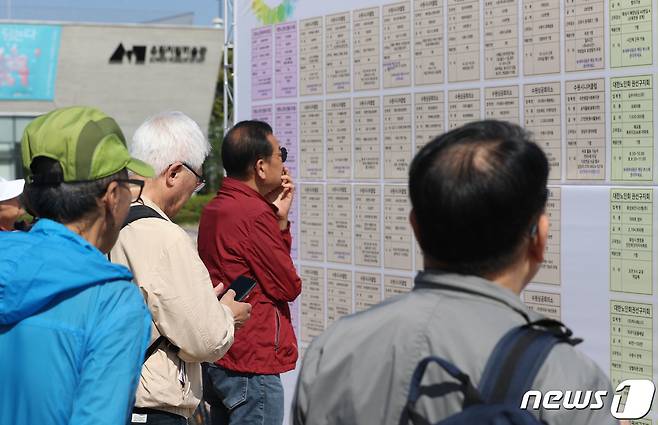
<point x="28" y="61"/>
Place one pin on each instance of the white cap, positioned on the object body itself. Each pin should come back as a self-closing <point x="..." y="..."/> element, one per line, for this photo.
<point x="10" y="189"/>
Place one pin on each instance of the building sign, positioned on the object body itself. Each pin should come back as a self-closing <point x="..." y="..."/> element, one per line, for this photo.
<point x="28" y="61"/>
<point x="137" y="54"/>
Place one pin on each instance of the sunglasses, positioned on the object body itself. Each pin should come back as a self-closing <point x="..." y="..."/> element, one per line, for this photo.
<point x="283" y="152"/>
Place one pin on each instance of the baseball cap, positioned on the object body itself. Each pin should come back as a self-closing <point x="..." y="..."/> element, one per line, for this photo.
<point x="10" y="189"/>
<point x="88" y="144"/>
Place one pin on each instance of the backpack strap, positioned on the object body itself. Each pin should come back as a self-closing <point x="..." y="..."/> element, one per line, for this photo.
<point x="153" y="347"/>
<point x="471" y="395"/>
<point x="137" y="212"/>
<point x="515" y="361"/>
<point x="414" y="390"/>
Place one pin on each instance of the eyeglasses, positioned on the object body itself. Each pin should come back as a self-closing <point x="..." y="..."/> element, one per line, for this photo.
<point x="201" y="183"/>
<point x="135" y="186"/>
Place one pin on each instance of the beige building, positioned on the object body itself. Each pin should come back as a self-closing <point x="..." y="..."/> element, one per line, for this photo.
<point x="129" y="71"/>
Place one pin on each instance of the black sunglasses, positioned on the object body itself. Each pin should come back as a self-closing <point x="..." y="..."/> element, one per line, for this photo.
<point x="282" y="151"/>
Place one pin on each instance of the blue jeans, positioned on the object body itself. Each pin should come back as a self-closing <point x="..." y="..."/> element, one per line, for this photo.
<point x="242" y="398"/>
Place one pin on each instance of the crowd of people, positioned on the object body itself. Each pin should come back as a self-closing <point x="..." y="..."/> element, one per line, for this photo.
<point x="110" y="315"/>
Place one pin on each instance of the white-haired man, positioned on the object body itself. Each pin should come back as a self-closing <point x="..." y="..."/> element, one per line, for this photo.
<point x="189" y="325"/>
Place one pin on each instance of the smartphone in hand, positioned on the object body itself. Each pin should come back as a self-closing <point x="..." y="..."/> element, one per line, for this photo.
<point x="242" y="286"/>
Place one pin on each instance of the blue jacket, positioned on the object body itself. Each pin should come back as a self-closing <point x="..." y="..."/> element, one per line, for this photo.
<point x="73" y="331"/>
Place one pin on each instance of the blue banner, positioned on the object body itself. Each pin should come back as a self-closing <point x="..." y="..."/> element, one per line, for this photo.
<point x="28" y="61"/>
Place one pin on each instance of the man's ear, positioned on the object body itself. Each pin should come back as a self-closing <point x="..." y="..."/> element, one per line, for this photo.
<point x="109" y="202"/>
<point x="538" y="242"/>
<point x="414" y="224"/>
<point x="172" y="173"/>
<point x="259" y="169"/>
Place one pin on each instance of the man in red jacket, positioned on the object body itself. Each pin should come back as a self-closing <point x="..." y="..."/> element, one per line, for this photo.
<point x="245" y="230"/>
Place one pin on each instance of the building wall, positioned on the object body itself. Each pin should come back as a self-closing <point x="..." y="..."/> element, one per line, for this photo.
<point x="129" y="91"/>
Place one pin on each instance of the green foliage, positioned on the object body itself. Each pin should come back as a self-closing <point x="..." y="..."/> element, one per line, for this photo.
<point x="191" y="211"/>
<point x="213" y="170"/>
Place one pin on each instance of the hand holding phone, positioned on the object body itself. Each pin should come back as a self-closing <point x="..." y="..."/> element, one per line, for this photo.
<point x="242" y="286"/>
<point x="239" y="290"/>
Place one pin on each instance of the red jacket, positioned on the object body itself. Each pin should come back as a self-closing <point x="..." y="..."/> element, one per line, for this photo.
<point x="239" y="235"/>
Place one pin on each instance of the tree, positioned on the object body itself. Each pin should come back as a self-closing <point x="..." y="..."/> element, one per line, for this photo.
<point x="213" y="170"/>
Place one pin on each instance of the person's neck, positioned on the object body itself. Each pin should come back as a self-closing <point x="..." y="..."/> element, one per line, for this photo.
<point x="89" y="230"/>
<point x="253" y="184"/>
<point x="159" y="199"/>
<point x="512" y="278"/>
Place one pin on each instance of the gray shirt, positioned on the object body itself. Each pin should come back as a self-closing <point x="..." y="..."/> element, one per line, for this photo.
<point x="359" y="370"/>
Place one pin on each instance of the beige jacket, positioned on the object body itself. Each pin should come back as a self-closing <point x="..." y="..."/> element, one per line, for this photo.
<point x="177" y="289"/>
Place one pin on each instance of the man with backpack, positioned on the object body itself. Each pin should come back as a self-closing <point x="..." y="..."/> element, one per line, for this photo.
<point x="190" y="325"/>
<point x="478" y="195"/>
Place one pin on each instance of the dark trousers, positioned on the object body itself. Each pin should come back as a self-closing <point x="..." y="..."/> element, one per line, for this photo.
<point x="155" y="417"/>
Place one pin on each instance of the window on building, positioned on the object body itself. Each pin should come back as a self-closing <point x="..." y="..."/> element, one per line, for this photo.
<point x="11" y="131"/>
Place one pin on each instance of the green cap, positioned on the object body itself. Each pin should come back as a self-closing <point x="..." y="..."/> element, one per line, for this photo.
<point x="88" y="144"/>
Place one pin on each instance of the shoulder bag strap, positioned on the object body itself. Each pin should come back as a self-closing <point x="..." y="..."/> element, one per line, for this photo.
<point x="135" y="213"/>
<point x="515" y="361"/>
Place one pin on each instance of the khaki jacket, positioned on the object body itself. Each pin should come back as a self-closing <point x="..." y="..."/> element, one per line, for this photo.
<point x="178" y="292"/>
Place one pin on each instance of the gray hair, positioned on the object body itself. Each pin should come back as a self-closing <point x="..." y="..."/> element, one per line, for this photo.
<point x="169" y="137"/>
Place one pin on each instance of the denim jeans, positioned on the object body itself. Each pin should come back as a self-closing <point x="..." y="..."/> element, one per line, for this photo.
<point x="242" y="398"/>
